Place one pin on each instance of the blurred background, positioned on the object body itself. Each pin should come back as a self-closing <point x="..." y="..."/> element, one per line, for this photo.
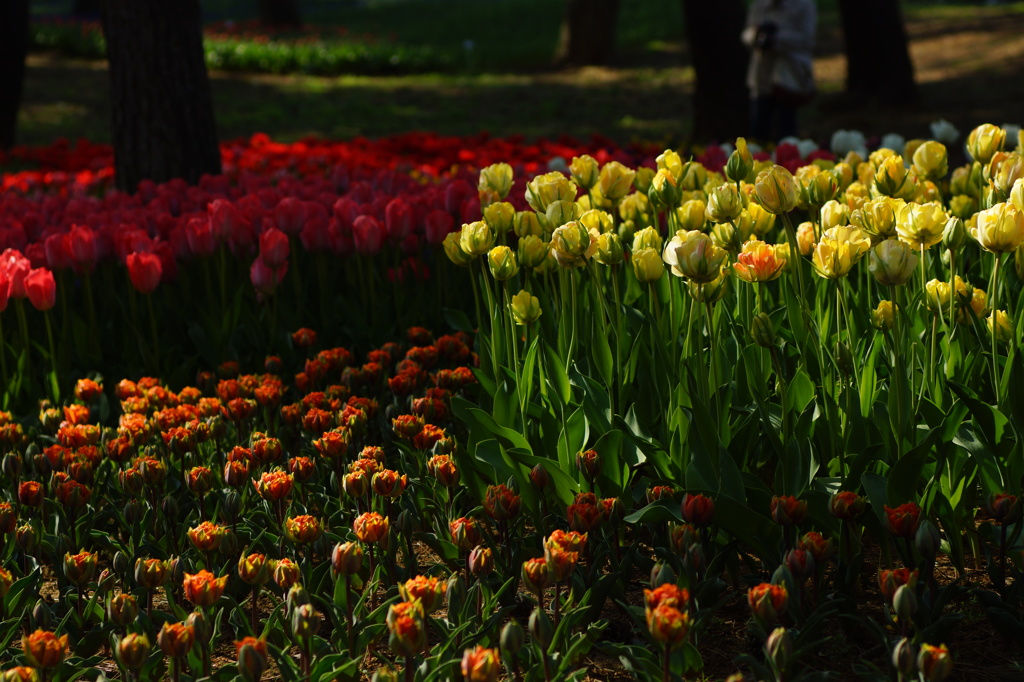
<point x="625" y="69"/>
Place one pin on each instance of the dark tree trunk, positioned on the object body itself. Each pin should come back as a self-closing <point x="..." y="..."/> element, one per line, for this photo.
<point x="587" y="36"/>
<point x="721" y="103"/>
<point x="13" y="48"/>
<point x="86" y="8"/>
<point x="878" y="64"/>
<point x="280" y="12"/>
<point x="163" y="125"/>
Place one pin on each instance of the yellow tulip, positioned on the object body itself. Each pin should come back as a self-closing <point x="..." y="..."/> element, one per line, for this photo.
<point x="635" y="207"/>
<point x="724" y="204"/>
<point x="615" y="180"/>
<point x="532" y="251"/>
<point x="693" y="255"/>
<point x="525" y="223"/>
<point x="690" y="216"/>
<point x="984" y="141"/>
<point x="647" y="238"/>
<point x="476" y="238"/>
<point x="834" y="214"/>
<point x="502" y="262"/>
<point x="643" y="179"/>
<point x="838" y="251"/>
<point x="584" y="170"/>
<point x="500" y="216"/>
<point x="647" y="265"/>
<point x="999" y="324"/>
<point x="881" y="317"/>
<point x="762" y="221"/>
<point x="544" y="189"/>
<point x="496" y="178"/>
<point x="921" y="225"/>
<point x="709" y="292"/>
<point x="806" y="238"/>
<point x="741" y="162"/>
<point x="893" y="180"/>
<point x="453" y="250"/>
<point x="936" y="296"/>
<point x="930" y="160"/>
<point x="596" y="219"/>
<point x="999" y="229"/>
<point x="664" y="193"/>
<point x="1009" y="171"/>
<point x="776" y="190"/>
<point x="892" y="262"/>
<point x="572" y="244"/>
<point x="609" y="249"/>
<point x="878" y="217"/>
<point x="525" y="308"/>
<point x="672" y="162"/>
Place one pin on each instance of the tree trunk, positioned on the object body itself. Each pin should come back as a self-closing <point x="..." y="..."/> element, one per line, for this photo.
<point x="878" y="64"/>
<point x="13" y="48"/>
<point x="280" y="12"/>
<point x="721" y="104"/>
<point x="163" y="125"/>
<point x="587" y="36"/>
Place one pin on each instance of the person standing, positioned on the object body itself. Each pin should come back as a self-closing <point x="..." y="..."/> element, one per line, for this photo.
<point x="780" y="35"/>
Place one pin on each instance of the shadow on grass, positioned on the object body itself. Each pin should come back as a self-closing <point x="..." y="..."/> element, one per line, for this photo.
<point x="70" y="99"/>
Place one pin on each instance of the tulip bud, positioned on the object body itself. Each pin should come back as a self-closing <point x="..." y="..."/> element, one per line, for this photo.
<point x="662" y="573"/>
<point x="532" y="251"/>
<point x="539" y="477"/>
<point x="763" y="331"/>
<point x="540" y="627"/>
<point x="305" y="621"/>
<point x="41" y="617"/>
<point x="740" y="163"/>
<point x="954" y="234"/>
<point x="347" y="558"/>
<point x="481" y="561"/>
<point x="904" y="603"/>
<point x="122" y="609"/>
<point x="500" y="217"/>
<point x="779" y="648"/>
<point x="12" y="465"/>
<point x="904" y="658"/>
<point x="927" y="540"/>
<point x="844" y="359"/>
<point x="252" y="658"/>
<point x="133" y="651"/>
<point x="512" y="639"/>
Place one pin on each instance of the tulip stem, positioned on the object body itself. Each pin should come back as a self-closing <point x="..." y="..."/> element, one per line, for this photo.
<point x="252" y="609"/>
<point x="994" y="326"/>
<point x="54" y="385"/>
<point x="152" y="330"/>
<point x="3" y="363"/>
<point x="897" y="360"/>
<point x="410" y="671"/>
<point x="666" y="667"/>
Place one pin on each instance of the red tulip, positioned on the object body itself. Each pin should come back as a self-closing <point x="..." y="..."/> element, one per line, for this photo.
<point x="145" y="271"/>
<point x="201" y="238"/>
<point x="274" y="248"/>
<point x="398" y="220"/>
<point x="41" y="288"/>
<point x="82" y="246"/>
<point x="264" y="278"/>
<point x="5" y="290"/>
<point x="367" y="235"/>
<point x="17" y="267"/>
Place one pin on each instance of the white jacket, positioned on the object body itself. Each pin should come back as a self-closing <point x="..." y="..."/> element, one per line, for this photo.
<point x="792" y="50"/>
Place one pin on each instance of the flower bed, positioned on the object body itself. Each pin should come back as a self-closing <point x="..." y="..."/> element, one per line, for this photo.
<point x="670" y="388"/>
